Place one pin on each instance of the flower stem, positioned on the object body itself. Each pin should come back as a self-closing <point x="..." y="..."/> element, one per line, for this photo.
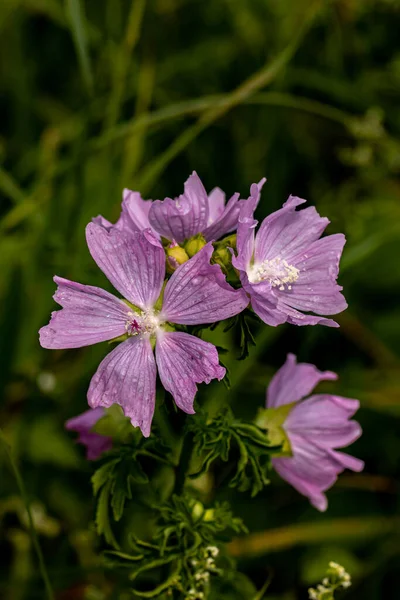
<point x="35" y="540"/>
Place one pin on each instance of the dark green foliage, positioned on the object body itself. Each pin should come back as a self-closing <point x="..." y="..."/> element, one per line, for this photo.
<point x="113" y="480"/>
<point x="226" y="438"/>
<point x="241" y="324"/>
<point x="184" y="547"/>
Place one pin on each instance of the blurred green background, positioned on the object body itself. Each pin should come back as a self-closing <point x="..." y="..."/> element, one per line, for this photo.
<point x="106" y="94"/>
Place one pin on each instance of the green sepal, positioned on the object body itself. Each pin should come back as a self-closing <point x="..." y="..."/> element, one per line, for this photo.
<point x="272" y="420"/>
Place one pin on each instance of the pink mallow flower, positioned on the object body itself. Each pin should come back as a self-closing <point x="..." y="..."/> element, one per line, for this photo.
<point x="286" y="268"/>
<point x="178" y="219"/>
<point x="197" y="293"/>
<point x="83" y="424"/>
<point x="315" y="427"/>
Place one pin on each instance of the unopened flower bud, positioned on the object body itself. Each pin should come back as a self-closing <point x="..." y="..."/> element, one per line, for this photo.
<point x="197" y="510"/>
<point x="176" y="256"/>
<point x="209" y="515"/>
<point x="223" y="257"/>
<point x="195" y="244"/>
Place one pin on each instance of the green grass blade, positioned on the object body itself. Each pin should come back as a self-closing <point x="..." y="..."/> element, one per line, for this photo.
<point x="79" y="35"/>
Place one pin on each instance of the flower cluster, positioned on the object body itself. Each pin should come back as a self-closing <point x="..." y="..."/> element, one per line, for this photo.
<point x="164" y="259"/>
<point x="202" y="569"/>
<point x="336" y="578"/>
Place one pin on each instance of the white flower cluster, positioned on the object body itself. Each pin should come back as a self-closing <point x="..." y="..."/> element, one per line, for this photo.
<point x="336" y="578"/>
<point x="202" y="570"/>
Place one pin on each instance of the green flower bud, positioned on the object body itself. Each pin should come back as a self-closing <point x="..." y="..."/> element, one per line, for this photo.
<point x="209" y="515"/>
<point x="222" y="254"/>
<point x="197" y="511"/>
<point x="223" y="257"/>
<point x="195" y="244"/>
<point x="176" y="256"/>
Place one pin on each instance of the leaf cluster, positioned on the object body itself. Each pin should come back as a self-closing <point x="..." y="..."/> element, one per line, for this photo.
<point x="113" y="481"/>
<point x="181" y="555"/>
<point x="245" y="445"/>
<point x="241" y="323"/>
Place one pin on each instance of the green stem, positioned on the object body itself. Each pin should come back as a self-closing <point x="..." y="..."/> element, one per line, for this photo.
<point x="184" y="463"/>
<point x="35" y="540"/>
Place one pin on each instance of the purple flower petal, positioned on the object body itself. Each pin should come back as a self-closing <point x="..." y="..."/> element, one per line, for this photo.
<point x="287" y="470"/>
<point x="95" y="443"/>
<point x="226" y="221"/>
<point x="294" y="381"/>
<point x="288" y="231"/>
<point x="313" y="468"/>
<point x="216" y="205"/>
<point x="295" y="317"/>
<point x="316" y="289"/>
<point x="134" y="264"/>
<point x="127" y="376"/>
<point x="263" y="301"/>
<point x="198" y="293"/>
<point x="246" y="228"/>
<point x="135" y="212"/>
<point x="184" y="360"/>
<point x="325" y="419"/>
<point x="100" y="220"/>
<point x="347" y="461"/>
<point x="134" y="215"/>
<point x="89" y="315"/>
<point x="183" y="217"/>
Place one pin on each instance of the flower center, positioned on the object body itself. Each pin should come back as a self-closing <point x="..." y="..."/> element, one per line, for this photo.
<point x="146" y="322"/>
<point x="277" y="271"/>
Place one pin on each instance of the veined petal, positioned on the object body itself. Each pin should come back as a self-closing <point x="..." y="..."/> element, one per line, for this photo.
<point x="348" y="462"/>
<point x="135" y="212"/>
<point x="198" y="293"/>
<point x="287" y="470"/>
<point x="324" y="419"/>
<point x="246" y="228"/>
<point x="294" y="381"/>
<point x="216" y="205"/>
<point x="315" y="289"/>
<point x="295" y="317"/>
<point x="127" y="376"/>
<point x="267" y="311"/>
<point x="183" y="217"/>
<point x="184" y="360"/>
<point x="226" y="221"/>
<point x="134" y="263"/>
<point x="100" y="220"/>
<point x="287" y="231"/>
<point x="89" y="315"/>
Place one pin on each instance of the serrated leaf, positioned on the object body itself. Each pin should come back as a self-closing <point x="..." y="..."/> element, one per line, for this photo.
<point x="137" y="473"/>
<point x="214" y="440"/>
<point x="102" y="475"/>
<point x="163" y="586"/>
<point x="103" y="525"/>
<point x="123" y="555"/>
